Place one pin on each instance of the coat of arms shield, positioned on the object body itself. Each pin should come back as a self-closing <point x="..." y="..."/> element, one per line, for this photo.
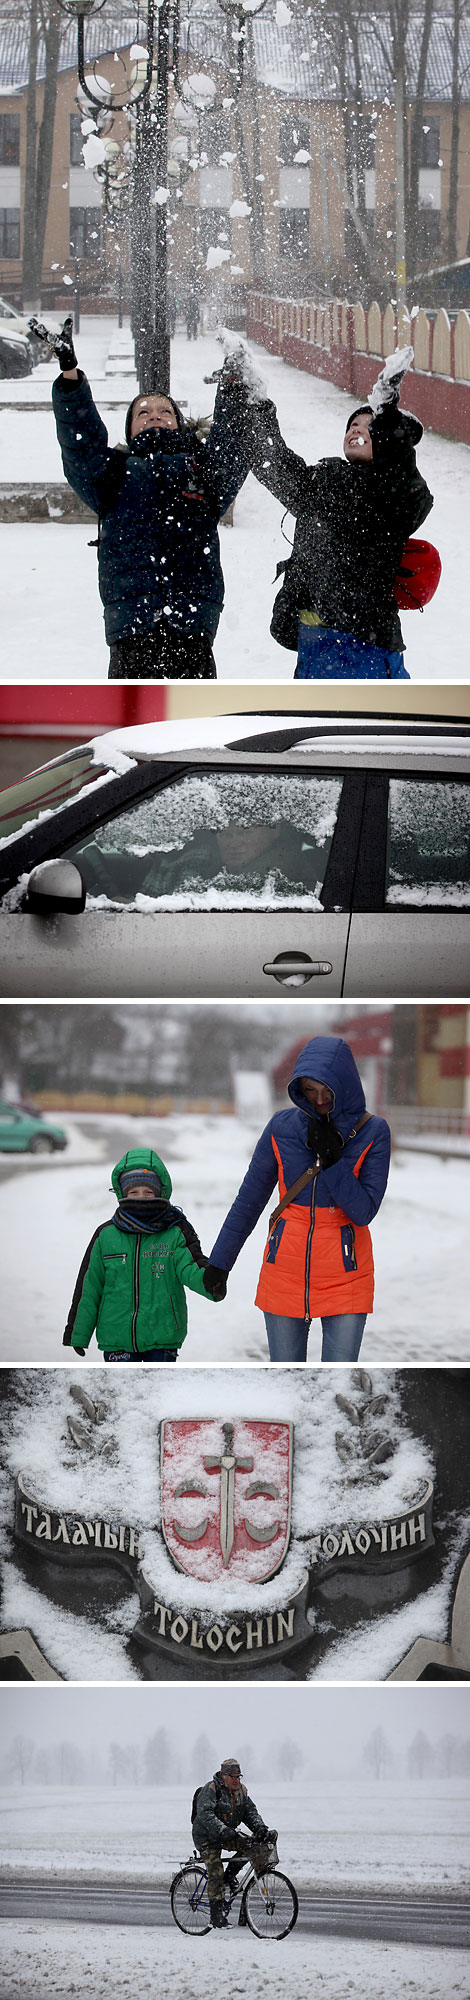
<point x="226" y="1496"/>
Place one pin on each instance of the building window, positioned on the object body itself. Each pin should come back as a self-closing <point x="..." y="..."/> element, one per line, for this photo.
<point x="76" y="139"/>
<point x="294" y="232"/>
<point x="9" y="139"/>
<point x="431" y="143"/>
<point x="9" y="232"/>
<point x="429" y="234"/>
<point x="85" y="232"/>
<point x="294" y="137"/>
<point x="216" y="137"/>
<point x="215" y="230"/>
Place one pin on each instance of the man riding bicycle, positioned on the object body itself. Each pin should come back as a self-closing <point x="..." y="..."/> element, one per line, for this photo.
<point x="218" y="1809"/>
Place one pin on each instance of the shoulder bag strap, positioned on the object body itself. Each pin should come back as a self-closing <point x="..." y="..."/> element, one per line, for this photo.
<point x="310" y="1175"/>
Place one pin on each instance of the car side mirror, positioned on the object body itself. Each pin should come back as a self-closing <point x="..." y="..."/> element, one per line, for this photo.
<point x="55" y="886"/>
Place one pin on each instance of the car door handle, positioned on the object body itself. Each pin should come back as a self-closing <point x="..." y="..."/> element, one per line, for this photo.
<point x="296" y="965"/>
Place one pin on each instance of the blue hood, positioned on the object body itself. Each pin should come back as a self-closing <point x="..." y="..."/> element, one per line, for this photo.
<point x="327" y="1059"/>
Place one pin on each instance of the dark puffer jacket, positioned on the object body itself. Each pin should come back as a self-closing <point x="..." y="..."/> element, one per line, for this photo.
<point x="351" y="527"/>
<point x="158" y="501"/>
<point x="219" y="1812"/>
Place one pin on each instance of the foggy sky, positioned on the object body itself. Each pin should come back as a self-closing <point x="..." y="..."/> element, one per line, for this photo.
<point x="331" y="1725"/>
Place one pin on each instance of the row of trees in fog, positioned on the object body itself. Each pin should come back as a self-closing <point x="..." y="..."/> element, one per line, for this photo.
<point x="159" y="1761"/>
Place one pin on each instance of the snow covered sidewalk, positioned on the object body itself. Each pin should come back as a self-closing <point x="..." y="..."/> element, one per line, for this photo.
<point x="104" y="1963"/>
<point x="421" y="1248"/>
<point x="52" y="614"/>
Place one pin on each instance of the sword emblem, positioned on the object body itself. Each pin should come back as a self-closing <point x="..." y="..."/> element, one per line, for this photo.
<point x="228" y="1466"/>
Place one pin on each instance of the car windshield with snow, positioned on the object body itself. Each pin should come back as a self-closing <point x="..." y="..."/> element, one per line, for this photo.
<point x="242" y="856"/>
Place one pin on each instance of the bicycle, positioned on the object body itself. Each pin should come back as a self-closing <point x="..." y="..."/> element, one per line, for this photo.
<point x="269" y="1902"/>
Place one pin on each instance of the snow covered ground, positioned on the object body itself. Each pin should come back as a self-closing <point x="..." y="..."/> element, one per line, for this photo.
<point x="348" y="1832"/>
<point x="382" y="1836"/>
<point x="421" y="1246"/>
<point x="113" y="1964"/>
<point x="50" y="571"/>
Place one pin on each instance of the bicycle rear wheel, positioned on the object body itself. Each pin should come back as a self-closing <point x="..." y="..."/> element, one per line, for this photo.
<point x="271" y="1905"/>
<point x="190" y="1902"/>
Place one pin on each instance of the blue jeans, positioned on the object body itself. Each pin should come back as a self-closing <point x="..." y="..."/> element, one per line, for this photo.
<point x="152" y="1354"/>
<point x="325" y="653"/>
<point x="288" y="1338"/>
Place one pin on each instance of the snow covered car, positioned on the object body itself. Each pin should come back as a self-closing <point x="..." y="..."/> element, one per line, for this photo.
<point x="23" y="1131"/>
<point x="246" y="855"/>
<point x="19" y="323"/>
<point x="16" y="354"/>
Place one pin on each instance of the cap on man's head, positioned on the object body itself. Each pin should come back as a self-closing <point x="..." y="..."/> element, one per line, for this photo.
<point x="140" y="1177"/>
<point x="230" y="1767"/>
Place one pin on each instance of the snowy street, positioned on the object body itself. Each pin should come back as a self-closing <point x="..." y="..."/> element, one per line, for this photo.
<point x="368" y="1838"/>
<point x="53" y="626"/>
<point x="420" y="1237"/>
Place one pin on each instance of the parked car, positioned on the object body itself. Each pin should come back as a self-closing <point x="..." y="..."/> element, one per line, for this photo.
<point x="19" y="323"/>
<point x="24" y="1131"/>
<point x="246" y="855"/>
<point x="16" y="357"/>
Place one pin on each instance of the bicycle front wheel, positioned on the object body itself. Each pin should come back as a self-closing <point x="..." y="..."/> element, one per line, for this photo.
<point x="271" y="1905"/>
<point x="190" y="1902"/>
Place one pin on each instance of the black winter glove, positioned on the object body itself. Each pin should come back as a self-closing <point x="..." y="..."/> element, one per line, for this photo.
<point x="215" y="1282"/>
<point x="325" y="1141"/>
<point x="271" y="1833"/>
<point x="63" y="346"/>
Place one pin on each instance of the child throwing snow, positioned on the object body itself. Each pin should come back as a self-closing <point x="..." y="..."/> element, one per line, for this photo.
<point x="131" y="1284"/>
<point x="337" y="607"/>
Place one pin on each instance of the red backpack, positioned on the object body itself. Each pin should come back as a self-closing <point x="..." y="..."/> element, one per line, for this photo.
<point x="418" y="576"/>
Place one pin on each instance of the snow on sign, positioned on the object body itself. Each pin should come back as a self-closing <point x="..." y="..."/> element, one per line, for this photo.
<point x="226" y="1497"/>
<point x="232" y="1528"/>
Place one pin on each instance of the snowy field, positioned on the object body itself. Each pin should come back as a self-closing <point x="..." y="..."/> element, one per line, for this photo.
<point x="382" y="1836"/>
<point x="120" y="1964"/>
<point x="421" y="1245"/>
<point x="50" y="571"/>
<point x="343" y="1833"/>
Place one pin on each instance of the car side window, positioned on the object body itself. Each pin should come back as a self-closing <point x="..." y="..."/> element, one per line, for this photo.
<point x="218" y="840"/>
<point x="428" y="843"/>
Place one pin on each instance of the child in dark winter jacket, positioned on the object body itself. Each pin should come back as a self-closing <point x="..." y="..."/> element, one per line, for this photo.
<point x="354" y="515"/>
<point x="131" y="1284"/>
<point x="159" y="499"/>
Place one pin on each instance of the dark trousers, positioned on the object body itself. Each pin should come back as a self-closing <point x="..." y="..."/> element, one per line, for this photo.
<point x="162" y="655"/>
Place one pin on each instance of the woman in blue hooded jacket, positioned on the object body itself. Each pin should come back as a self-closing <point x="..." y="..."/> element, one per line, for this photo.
<point x="330" y="1159"/>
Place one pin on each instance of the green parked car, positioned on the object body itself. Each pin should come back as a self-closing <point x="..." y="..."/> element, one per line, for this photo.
<point x="23" y="1131"/>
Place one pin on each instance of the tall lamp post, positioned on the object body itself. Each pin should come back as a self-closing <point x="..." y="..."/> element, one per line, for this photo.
<point x="145" y="98"/>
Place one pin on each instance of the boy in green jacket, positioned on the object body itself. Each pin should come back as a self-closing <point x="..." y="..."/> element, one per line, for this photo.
<point x="130" y="1286"/>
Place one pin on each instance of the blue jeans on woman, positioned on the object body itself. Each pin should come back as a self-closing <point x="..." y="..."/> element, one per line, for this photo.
<point x="288" y="1338"/>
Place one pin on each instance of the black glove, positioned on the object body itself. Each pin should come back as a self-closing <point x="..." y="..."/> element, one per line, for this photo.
<point x="79" y="1350"/>
<point x="271" y="1833"/>
<point x="63" y="346"/>
<point x="325" y="1141"/>
<point x="215" y="1282"/>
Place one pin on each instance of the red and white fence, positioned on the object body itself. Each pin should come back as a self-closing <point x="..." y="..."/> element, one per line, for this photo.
<point x="346" y="345"/>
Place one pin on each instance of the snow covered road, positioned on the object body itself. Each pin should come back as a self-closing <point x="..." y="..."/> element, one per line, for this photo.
<point x="421" y="1247"/>
<point x="52" y="615"/>
<point x="411" y="1920"/>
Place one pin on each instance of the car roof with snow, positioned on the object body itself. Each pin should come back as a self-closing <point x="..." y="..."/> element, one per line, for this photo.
<point x="112" y="760"/>
<point x="377" y="736"/>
